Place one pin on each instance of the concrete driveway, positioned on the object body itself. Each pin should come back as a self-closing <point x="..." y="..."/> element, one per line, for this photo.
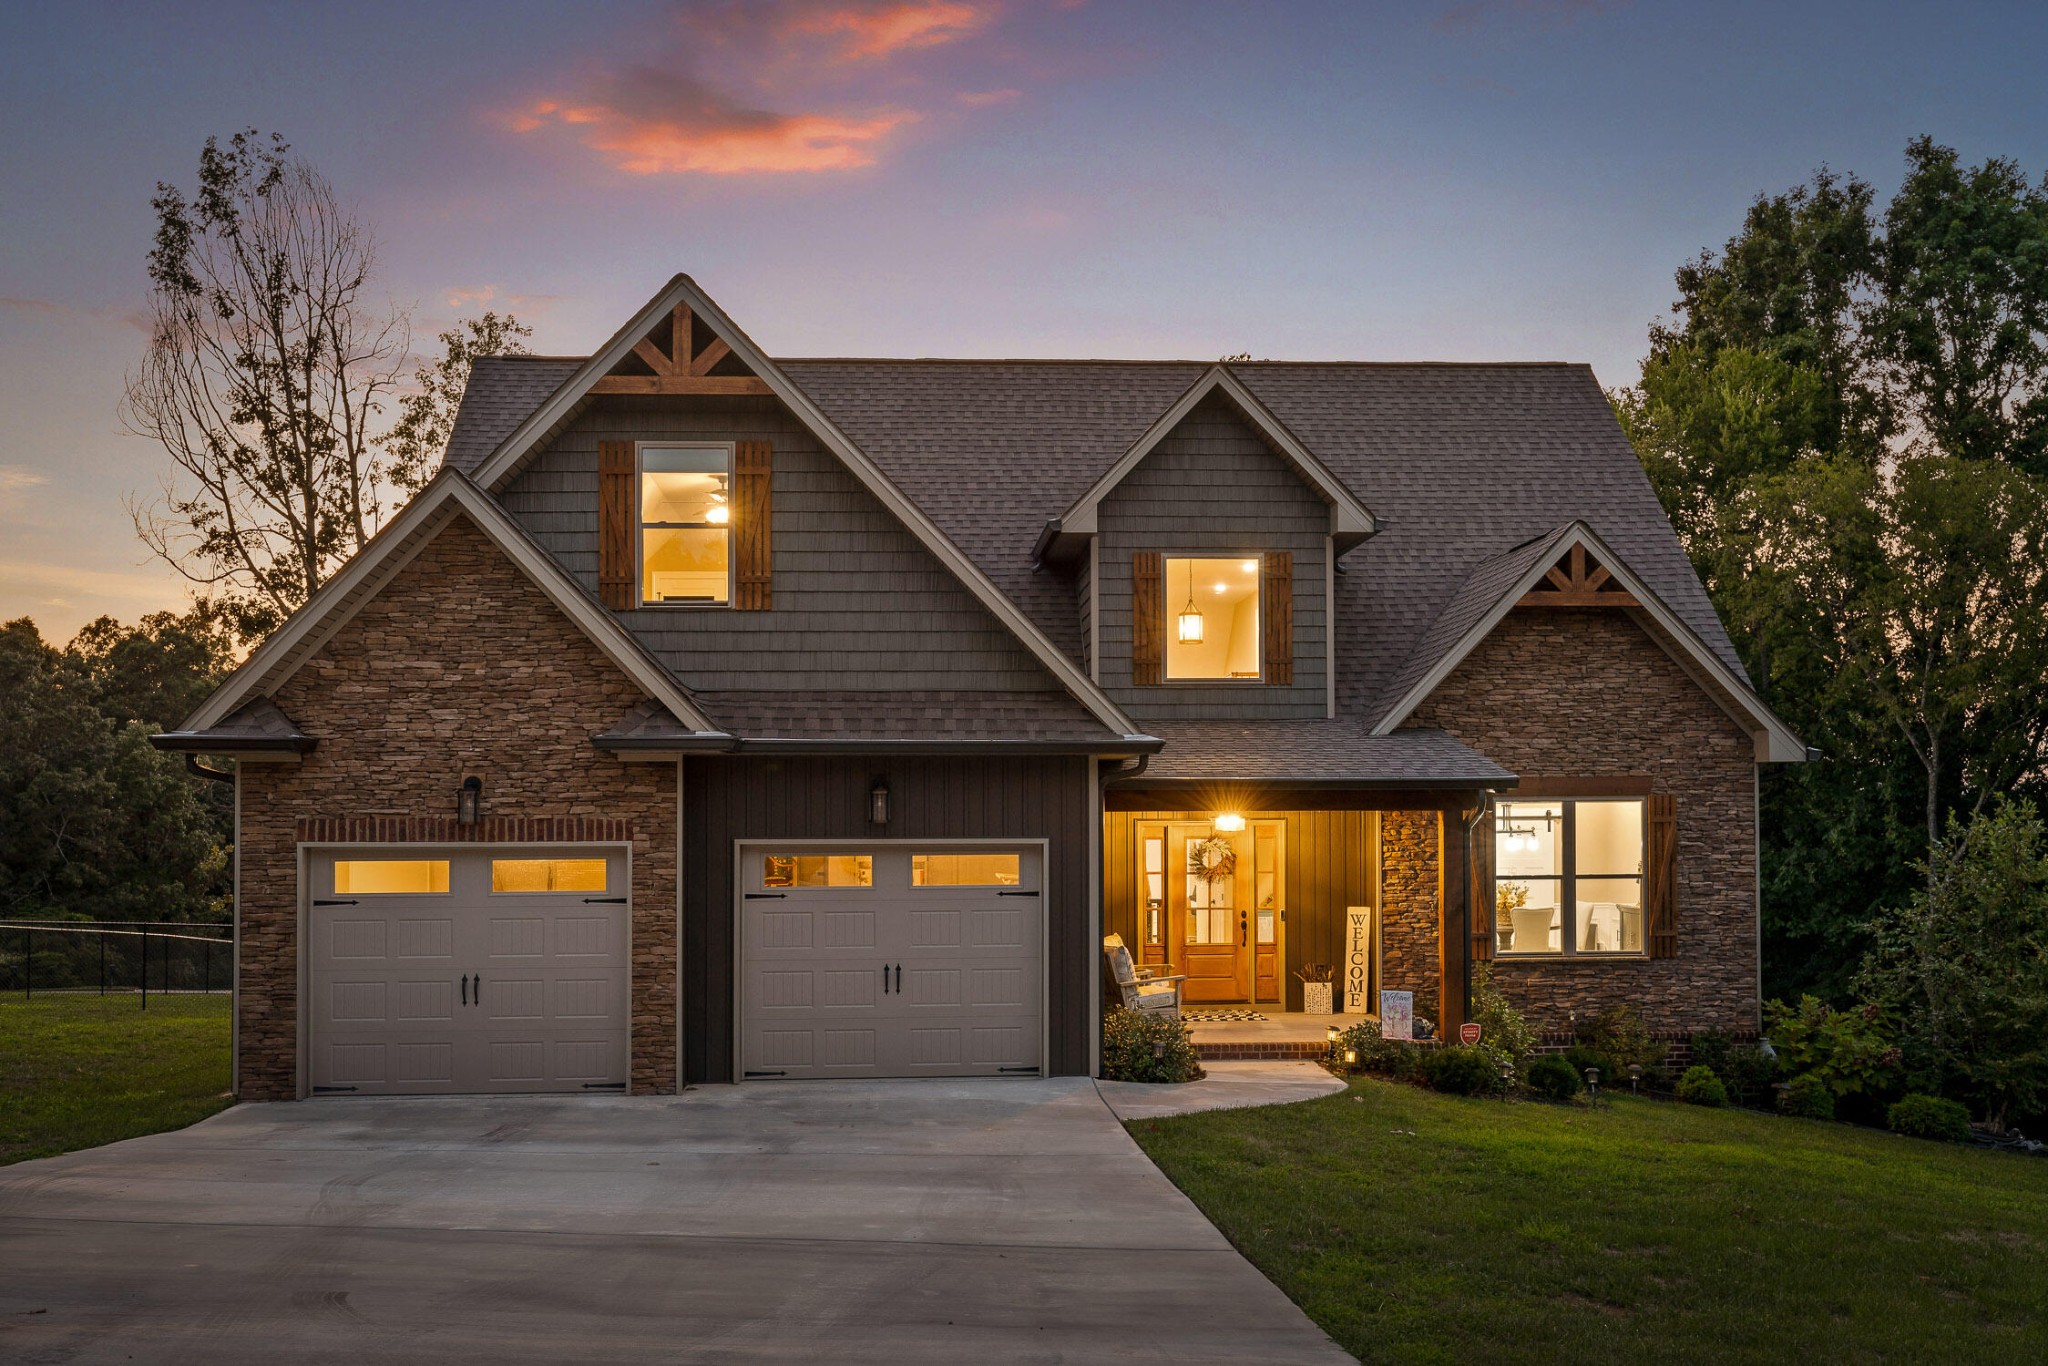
<point x="809" y="1222"/>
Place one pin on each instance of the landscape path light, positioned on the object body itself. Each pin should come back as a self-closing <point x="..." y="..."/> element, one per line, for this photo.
<point x="1592" y="1086"/>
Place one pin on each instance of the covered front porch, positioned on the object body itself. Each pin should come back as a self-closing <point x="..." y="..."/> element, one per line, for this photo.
<point x="1287" y="905"/>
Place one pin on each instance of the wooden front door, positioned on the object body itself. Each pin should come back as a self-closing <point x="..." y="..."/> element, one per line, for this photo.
<point x="1212" y="917"/>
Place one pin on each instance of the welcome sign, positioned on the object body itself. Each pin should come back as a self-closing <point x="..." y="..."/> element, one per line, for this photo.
<point x="1357" y="959"/>
<point x="1397" y="1015"/>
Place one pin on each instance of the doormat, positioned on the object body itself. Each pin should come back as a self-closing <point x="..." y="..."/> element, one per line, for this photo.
<point x="1219" y="1016"/>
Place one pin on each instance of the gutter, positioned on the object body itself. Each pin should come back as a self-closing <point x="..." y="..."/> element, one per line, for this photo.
<point x="1490" y="781"/>
<point x="200" y="742"/>
<point x="1142" y="745"/>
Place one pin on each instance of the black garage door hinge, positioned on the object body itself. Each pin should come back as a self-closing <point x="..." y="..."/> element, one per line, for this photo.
<point x="331" y="1090"/>
<point x="767" y="1074"/>
<point x="346" y="901"/>
<point x="604" y="901"/>
<point x="767" y="896"/>
<point x="604" y="1086"/>
<point x="1032" y="892"/>
<point x="1032" y="1070"/>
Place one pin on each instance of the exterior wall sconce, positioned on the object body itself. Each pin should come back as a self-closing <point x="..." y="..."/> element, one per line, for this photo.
<point x="878" y="802"/>
<point x="1229" y="822"/>
<point x="466" y="800"/>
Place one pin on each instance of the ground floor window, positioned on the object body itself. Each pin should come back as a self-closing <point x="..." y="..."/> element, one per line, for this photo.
<point x="1568" y="876"/>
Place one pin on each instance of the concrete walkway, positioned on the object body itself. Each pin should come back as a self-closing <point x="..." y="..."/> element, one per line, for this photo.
<point x="807" y="1222"/>
<point x="1229" y="1086"/>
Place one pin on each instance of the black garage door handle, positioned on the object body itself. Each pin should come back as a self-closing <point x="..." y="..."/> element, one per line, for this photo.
<point x="1033" y="892"/>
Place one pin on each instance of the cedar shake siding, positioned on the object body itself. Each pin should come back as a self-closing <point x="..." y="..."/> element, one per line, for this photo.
<point x="1585" y="694"/>
<point x="1213" y="487"/>
<point x="858" y="604"/>
<point x="800" y="799"/>
<point x="458" y="667"/>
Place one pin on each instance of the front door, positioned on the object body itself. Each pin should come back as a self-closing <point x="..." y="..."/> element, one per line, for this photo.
<point x="1209" y="877"/>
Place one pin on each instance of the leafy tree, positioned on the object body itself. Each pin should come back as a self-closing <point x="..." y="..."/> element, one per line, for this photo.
<point x="1964" y="964"/>
<point x="266" y="368"/>
<point x="425" y="417"/>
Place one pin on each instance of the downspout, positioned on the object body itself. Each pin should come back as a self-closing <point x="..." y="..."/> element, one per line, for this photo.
<point x="199" y="770"/>
<point x="1465" y="901"/>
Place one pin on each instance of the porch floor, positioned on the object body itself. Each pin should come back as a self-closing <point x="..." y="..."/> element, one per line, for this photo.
<point x="1281" y="1034"/>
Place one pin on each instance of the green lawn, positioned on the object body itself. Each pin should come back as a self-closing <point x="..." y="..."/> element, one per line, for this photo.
<point x="79" y="1071"/>
<point x="1416" y="1227"/>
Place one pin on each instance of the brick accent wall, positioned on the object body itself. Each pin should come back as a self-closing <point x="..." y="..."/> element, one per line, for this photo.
<point x="458" y="667"/>
<point x="1411" y="957"/>
<point x="1569" y="693"/>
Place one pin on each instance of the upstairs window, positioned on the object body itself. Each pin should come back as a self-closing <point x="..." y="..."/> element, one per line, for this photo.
<point x="685" y="525"/>
<point x="1212" y="618"/>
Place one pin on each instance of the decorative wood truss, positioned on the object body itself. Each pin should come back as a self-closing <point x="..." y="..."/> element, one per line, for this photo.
<point x="678" y="370"/>
<point x="1577" y="580"/>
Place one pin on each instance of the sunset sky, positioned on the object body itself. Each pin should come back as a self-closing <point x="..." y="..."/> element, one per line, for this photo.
<point x="1471" y="180"/>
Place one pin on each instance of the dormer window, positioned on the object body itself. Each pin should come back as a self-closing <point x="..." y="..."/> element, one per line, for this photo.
<point x="685" y="525"/>
<point x="1213" y="630"/>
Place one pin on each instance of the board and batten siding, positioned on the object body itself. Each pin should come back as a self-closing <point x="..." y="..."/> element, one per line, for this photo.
<point x="859" y="604"/>
<point x="812" y="798"/>
<point x="1331" y="859"/>
<point x="1213" y="487"/>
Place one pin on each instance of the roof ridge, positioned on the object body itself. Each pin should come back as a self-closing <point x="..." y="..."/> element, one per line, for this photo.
<point x="1181" y="360"/>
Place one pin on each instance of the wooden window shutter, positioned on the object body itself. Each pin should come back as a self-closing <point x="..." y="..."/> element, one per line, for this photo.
<point x="1277" y="611"/>
<point x="753" y="570"/>
<point x="1660" y="880"/>
<point x="1484" y="897"/>
<point x="617" y="511"/>
<point x="1148" y="619"/>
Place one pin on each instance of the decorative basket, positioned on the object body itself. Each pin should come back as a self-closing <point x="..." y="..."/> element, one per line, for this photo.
<point x="1315" y="998"/>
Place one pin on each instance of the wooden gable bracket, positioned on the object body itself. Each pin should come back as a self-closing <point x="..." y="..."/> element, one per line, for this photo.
<point x="677" y="371"/>
<point x="1577" y="580"/>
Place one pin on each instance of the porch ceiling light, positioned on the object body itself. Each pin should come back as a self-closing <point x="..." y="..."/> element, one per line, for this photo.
<point x="1229" y="822"/>
<point x="1191" y="615"/>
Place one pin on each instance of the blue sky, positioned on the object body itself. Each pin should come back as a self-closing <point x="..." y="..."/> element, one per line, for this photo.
<point x="1467" y="181"/>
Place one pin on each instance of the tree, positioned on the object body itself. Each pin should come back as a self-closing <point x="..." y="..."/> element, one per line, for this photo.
<point x="1964" y="964"/>
<point x="416" y="441"/>
<point x="266" y="370"/>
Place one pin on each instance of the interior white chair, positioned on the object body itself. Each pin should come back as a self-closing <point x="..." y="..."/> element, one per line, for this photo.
<point x="1533" y="929"/>
<point x="1155" y="990"/>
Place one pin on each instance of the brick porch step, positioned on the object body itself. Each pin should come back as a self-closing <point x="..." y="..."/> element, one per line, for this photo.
<point x="1275" y="1050"/>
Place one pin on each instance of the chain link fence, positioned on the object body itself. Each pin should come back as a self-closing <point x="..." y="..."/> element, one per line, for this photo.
<point x="115" y="957"/>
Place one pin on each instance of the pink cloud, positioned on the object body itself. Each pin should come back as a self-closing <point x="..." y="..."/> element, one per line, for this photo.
<point x="981" y="99"/>
<point x="883" y="30"/>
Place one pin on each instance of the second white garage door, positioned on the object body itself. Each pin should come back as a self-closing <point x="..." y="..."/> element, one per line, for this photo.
<point x="891" y="961"/>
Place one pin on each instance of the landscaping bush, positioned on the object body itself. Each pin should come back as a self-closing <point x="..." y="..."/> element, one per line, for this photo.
<point x="1553" y="1077"/>
<point x="1619" y="1033"/>
<point x="1808" y="1097"/>
<point x="1581" y="1057"/>
<point x="1746" y="1070"/>
<point x="1929" y="1117"/>
<point x="1504" y="1035"/>
<point x="1848" y="1051"/>
<point x="1460" y="1071"/>
<point x="1140" y="1046"/>
<point x="1699" y="1086"/>
<point x="1382" y="1057"/>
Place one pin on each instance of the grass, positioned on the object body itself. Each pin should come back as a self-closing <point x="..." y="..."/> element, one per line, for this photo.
<point x="1416" y="1227"/>
<point x="79" y="1071"/>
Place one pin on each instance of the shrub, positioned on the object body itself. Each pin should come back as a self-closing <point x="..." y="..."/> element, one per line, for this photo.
<point x="1848" y="1051"/>
<point x="1383" y="1057"/>
<point x="1553" y="1077"/>
<point x="1460" y="1071"/>
<point x="1140" y="1046"/>
<point x="1699" y="1086"/>
<point x="1808" y="1097"/>
<point x="1581" y="1057"/>
<point x="1620" y="1034"/>
<point x="1929" y="1117"/>
<point x="1746" y="1070"/>
<point x="1504" y="1035"/>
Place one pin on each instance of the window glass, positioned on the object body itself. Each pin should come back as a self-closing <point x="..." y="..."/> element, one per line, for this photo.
<point x="1610" y="914"/>
<point x="547" y="874"/>
<point x="1212" y="618"/>
<point x="685" y="525"/>
<point x="1155" y="888"/>
<point x="1569" y="876"/>
<point x="1268" y="879"/>
<point x="965" y="870"/>
<point x="1212" y="900"/>
<point x="390" y="877"/>
<point x="818" y="870"/>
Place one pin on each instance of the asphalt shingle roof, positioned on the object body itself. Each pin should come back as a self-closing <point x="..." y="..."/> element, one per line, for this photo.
<point x="502" y="392"/>
<point x="903" y="716"/>
<point x="1336" y="751"/>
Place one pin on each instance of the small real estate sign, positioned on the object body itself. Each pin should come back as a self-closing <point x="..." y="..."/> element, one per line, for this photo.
<point x="1397" y="1015"/>
<point x="1357" y="959"/>
<point x="1468" y="1033"/>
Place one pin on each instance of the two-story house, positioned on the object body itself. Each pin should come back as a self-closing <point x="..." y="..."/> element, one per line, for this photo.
<point x="713" y="716"/>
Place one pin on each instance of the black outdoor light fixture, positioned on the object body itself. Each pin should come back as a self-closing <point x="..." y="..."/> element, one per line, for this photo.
<point x="1635" y="1078"/>
<point x="878" y="802"/>
<point x="466" y="800"/>
<point x="1592" y="1086"/>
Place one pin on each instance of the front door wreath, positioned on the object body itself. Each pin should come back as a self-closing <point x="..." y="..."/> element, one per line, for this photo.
<point x="1212" y="859"/>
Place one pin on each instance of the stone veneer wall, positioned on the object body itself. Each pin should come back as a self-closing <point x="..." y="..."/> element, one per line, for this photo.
<point x="1586" y="694"/>
<point x="459" y="666"/>
<point x="1410" y="883"/>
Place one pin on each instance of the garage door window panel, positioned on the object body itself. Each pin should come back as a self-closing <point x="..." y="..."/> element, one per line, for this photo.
<point x="391" y="877"/>
<point x="965" y="870"/>
<point x="548" y="875"/>
<point x="818" y="870"/>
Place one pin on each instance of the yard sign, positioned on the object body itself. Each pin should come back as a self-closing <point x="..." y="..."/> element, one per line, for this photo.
<point x="1357" y="959"/>
<point x="1397" y="1015"/>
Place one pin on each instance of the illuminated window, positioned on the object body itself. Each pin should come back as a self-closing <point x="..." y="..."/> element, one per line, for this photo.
<point x="817" y="870"/>
<point x="685" y="525"/>
<point x="1568" y="876"/>
<point x="964" y="870"/>
<point x="547" y="874"/>
<point x="1154" y="871"/>
<point x="1212" y="618"/>
<point x="390" y="876"/>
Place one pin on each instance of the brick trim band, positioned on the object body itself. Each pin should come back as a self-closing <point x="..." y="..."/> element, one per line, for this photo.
<point x="446" y="830"/>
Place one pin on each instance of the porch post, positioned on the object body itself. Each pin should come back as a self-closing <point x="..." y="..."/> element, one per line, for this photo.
<point x="1454" y="920"/>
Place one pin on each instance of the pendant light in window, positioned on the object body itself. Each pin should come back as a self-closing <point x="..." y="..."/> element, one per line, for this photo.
<point x="1191" y="615"/>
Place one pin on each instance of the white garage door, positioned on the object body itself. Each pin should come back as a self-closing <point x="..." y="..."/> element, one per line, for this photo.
<point x="891" y="961"/>
<point x="473" y="971"/>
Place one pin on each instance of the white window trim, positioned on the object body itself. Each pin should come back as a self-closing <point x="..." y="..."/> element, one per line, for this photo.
<point x="640" y="449"/>
<point x="1172" y="627"/>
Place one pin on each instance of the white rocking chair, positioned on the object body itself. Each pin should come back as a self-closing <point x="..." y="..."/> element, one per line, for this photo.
<point x="1155" y="991"/>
